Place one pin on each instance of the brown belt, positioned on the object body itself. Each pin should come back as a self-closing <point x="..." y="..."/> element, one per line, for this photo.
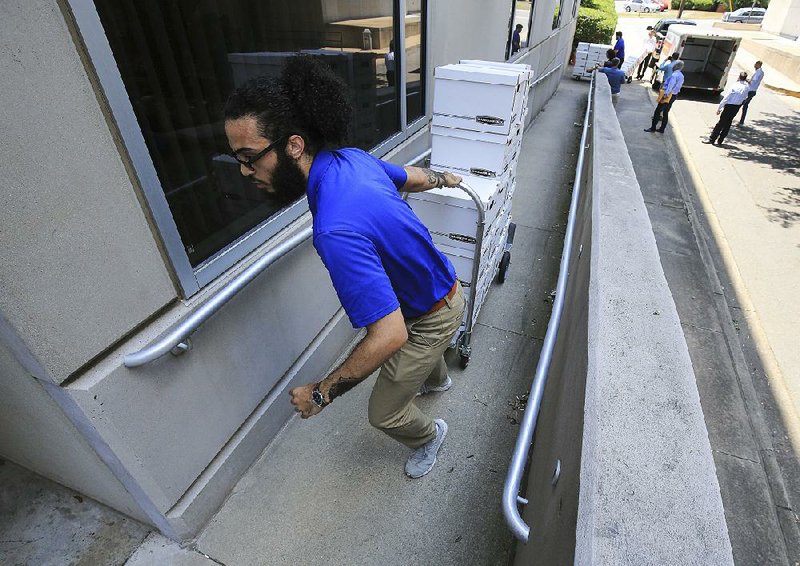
<point x="443" y="301"/>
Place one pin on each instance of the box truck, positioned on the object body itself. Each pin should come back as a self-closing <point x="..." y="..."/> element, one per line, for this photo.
<point x="707" y="55"/>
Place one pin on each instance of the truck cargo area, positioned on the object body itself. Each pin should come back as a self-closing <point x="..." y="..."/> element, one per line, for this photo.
<point x="707" y="61"/>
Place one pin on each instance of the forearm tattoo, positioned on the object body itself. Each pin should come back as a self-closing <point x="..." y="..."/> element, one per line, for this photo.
<point x="435" y="178"/>
<point x="342" y="386"/>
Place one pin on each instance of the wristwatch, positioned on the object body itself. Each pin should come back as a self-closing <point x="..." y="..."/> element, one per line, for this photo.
<point x="317" y="397"/>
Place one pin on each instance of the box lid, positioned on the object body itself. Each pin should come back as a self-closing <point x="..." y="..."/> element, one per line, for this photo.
<point x="485" y="188"/>
<point x="488" y="137"/>
<point x="477" y="74"/>
<point x="497" y="64"/>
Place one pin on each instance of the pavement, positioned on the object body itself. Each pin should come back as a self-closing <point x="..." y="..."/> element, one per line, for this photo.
<point x="727" y="225"/>
<point x="331" y="490"/>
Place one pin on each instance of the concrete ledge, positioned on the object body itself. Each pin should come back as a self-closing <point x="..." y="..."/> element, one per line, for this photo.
<point x="735" y="26"/>
<point x="648" y="489"/>
<point x="776" y="56"/>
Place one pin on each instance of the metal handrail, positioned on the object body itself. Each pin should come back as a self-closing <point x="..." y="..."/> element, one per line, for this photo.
<point x="511" y="497"/>
<point x="547" y="74"/>
<point x="175" y="339"/>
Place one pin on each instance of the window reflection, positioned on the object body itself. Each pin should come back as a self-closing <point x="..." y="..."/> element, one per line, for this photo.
<point x="179" y="61"/>
<point x="520" y="26"/>
<point x="415" y="60"/>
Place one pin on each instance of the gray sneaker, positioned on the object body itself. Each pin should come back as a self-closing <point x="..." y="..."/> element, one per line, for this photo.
<point x="422" y="460"/>
<point x="425" y="389"/>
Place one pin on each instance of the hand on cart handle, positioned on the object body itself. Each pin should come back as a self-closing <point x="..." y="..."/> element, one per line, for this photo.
<point x="450" y="179"/>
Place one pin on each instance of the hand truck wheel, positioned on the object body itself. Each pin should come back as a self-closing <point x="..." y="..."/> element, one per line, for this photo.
<point x="504" y="261"/>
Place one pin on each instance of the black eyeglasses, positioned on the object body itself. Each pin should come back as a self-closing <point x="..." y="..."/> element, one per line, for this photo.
<point x="249" y="161"/>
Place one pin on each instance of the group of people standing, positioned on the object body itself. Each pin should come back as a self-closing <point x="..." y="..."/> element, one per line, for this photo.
<point x="734" y="98"/>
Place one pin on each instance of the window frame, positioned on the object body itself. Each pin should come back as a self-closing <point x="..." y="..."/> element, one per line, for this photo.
<point x="192" y="280"/>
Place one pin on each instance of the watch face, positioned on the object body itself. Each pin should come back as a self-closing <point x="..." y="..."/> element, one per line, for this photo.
<point x="317" y="397"/>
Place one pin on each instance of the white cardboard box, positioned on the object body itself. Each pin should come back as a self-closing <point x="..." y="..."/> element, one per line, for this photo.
<point x="482" y="98"/>
<point x="450" y="210"/>
<point x="473" y="153"/>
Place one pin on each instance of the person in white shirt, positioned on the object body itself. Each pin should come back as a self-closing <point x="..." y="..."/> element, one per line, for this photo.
<point x="755" y="82"/>
<point x="649" y="49"/>
<point x="731" y="102"/>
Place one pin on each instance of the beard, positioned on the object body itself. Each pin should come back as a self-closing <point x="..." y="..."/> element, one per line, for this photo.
<point x="288" y="180"/>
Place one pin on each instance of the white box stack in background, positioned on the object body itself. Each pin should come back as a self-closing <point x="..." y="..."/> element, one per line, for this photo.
<point x="479" y="112"/>
<point x="587" y="56"/>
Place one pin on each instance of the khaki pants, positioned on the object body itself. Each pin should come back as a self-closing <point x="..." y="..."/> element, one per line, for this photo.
<point x="420" y="360"/>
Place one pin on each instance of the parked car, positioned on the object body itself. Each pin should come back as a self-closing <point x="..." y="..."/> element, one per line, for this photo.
<point x="662" y="4"/>
<point x="745" y="16"/>
<point x="661" y="28"/>
<point x="645" y="6"/>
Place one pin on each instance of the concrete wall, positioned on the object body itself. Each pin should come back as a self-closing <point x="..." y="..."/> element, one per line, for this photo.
<point x="779" y="59"/>
<point x="783" y="18"/>
<point x="646" y="465"/>
<point x="84" y="283"/>
<point x="80" y="266"/>
<point x="552" y="507"/>
<point x="37" y="435"/>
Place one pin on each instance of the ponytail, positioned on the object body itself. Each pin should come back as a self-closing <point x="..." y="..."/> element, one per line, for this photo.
<point x="319" y="101"/>
<point x="308" y="99"/>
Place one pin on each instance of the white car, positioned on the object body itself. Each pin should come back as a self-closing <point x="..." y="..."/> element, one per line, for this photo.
<point x="745" y="16"/>
<point x="641" y="6"/>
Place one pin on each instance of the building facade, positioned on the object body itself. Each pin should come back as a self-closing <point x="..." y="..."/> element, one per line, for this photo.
<point x="123" y="213"/>
<point x="783" y="18"/>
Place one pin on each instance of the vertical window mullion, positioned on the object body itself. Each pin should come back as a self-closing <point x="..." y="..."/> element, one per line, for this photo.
<point x="400" y="61"/>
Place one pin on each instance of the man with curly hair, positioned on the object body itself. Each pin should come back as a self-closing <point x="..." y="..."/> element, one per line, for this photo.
<point x="287" y="134"/>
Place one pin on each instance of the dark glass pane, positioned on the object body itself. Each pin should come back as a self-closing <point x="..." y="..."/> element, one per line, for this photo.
<point x="557" y="14"/>
<point x="521" y="17"/>
<point x="179" y="61"/>
<point x="415" y="60"/>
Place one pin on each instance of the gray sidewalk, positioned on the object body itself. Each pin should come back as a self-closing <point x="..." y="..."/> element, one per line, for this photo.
<point x="757" y="466"/>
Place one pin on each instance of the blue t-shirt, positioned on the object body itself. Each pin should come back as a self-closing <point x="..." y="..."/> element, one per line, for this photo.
<point x="378" y="253"/>
<point x="615" y="76"/>
<point x="619" y="47"/>
<point x="667" y="68"/>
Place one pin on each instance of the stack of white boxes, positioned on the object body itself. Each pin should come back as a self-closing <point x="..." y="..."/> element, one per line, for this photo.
<point x="479" y="109"/>
<point x="587" y="56"/>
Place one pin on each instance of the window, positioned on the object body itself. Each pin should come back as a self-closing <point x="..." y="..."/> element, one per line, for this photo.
<point x="559" y="9"/>
<point x="179" y="60"/>
<point x="521" y="22"/>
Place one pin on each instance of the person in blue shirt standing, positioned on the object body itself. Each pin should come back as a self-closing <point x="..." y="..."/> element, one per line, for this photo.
<point x="287" y="135"/>
<point x="619" y="49"/>
<point x="666" y="97"/>
<point x="516" y="39"/>
<point x="666" y="68"/>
